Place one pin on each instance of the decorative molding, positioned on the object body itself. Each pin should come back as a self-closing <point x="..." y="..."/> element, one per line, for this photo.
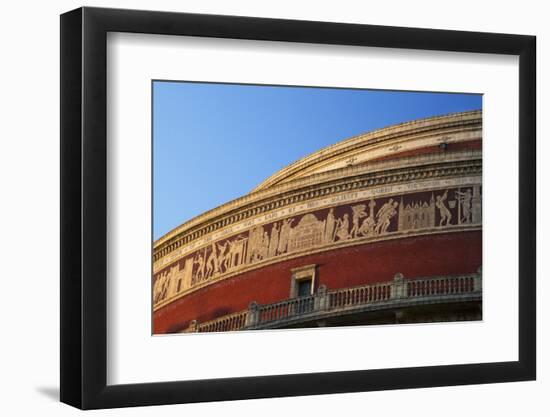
<point x="164" y="282"/>
<point x="301" y="273"/>
<point x="326" y="201"/>
<point x="464" y="163"/>
<point x="383" y="141"/>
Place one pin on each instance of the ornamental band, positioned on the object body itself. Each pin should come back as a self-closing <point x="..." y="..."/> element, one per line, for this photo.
<point x="384" y="227"/>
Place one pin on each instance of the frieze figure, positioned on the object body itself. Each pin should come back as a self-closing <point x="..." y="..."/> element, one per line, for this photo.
<point x="476" y="204"/>
<point x="384" y="216"/>
<point x="212" y="266"/>
<point x="255" y="244"/>
<point x="342" y="228"/>
<point x="274" y="240"/>
<point x="286" y="228"/>
<point x="167" y="284"/>
<point x="358" y="213"/>
<point x="385" y="207"/>
<point x="237" y="251"/>
<point x="465" y="203"/>
<point x="158" y="288"/>
<point x="270" y="240"/>
<point x="265" y="245"/>
<point x="367" y="227"/>
<point x="444" y="212"/>
<point x="200" y="270"/>
<point x="224" y="256"/>
<point x="330" y="223"/>
<point x="186" y="275"/>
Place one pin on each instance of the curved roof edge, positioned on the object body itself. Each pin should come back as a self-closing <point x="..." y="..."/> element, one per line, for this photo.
<point x="341" y="148"/>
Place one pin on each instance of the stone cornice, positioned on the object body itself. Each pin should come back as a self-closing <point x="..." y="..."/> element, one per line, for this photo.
<point x="403" y="131"/>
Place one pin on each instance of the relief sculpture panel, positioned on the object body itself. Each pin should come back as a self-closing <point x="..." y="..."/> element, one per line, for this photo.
<point x="328" y="227"/>
<point x="308" y="233"/>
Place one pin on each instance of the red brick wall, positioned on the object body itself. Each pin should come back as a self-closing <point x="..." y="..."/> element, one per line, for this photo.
<point x="451" y="253"/>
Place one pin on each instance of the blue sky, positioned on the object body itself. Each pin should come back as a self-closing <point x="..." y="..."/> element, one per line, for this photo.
<point x="213" y="143"/>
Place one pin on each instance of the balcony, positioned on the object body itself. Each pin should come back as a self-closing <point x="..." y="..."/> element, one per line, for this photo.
<point x="399" y="295"/>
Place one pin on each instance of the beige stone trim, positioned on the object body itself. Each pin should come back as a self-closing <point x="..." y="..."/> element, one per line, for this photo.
<point x="404" y="132"/>
<point x="304" y="189"/>
<point x="314" y="204"/>
<point x="299" y="274"/>
<point x="369" y="153"/>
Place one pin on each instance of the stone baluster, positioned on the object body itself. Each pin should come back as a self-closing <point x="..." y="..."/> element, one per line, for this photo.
<point x="398" y="286"/>
<point x="478" y="280"/>
<point x="321" y="299"/>
<point x="253" y="316"/>
<point x="194" y="326"/>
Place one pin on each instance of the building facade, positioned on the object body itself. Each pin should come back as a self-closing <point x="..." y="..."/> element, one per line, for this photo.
<point x="384" y="227"/>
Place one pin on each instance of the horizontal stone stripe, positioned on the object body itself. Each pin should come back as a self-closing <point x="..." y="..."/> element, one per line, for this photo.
<point x="301" y="208"/>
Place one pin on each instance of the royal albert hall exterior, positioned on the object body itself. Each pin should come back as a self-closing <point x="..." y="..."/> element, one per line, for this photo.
<point x="384" y="227"/>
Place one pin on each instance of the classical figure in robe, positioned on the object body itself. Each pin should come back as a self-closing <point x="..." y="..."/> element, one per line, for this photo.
<point x="358" y="214"/>
<point x="385" y="215"/>
<point x="329" y="226"/>
<point x="284" y="235"/>
<point x="173" y="281"/>
<point x="265" y="245"/>
<point x="342" y="228"/>
<point x="382" y="212"/>
<point x="200" y="271"/>
<point x="255" y="244"/>
<point x="274" y="240"/>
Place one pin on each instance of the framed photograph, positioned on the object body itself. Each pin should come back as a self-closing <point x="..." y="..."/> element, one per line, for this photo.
<point x="257" y="207"/>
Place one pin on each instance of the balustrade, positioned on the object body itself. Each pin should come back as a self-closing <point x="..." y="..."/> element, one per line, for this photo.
<point x="344" y="299"/>
<point x="227" y="323"/>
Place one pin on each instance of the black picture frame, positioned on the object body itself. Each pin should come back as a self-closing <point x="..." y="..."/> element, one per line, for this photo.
<point x="84" y="207"/>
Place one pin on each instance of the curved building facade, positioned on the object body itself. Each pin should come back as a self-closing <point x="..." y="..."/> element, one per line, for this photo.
<point x="384" y="227"/>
